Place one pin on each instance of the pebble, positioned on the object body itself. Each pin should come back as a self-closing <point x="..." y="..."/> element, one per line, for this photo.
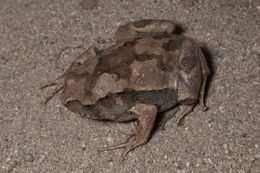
<point x="28" y="157"/>
<point x="89" y="4"/>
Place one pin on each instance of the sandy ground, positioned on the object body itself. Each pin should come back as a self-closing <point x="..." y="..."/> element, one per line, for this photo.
<point x="40" y="38"/>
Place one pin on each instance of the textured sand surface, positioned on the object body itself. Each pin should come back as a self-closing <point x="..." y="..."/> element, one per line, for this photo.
<point x="40" y="38"/>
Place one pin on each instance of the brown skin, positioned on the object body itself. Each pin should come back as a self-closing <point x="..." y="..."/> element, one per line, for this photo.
<point x="148" y="71"/>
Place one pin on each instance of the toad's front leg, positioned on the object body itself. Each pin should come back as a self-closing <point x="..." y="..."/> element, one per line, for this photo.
<point x="59" y="82"/>
<point x="146" y="118"/>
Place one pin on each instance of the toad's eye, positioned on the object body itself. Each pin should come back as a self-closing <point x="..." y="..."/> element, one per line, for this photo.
<point x="131" y="112"/>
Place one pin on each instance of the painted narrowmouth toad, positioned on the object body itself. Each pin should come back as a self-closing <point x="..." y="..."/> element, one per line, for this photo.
<point x="149" y="70"/>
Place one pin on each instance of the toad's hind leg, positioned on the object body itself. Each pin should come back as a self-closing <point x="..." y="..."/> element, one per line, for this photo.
<point x="142" y="27"/>
<point x="59" y="82"/>
<point x="146" y="116"/>
<point x="205" y="72"/>
<point x="166" y="116"/>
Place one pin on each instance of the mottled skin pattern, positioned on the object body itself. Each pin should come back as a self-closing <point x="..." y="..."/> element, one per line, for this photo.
<point x="149" y="70"/>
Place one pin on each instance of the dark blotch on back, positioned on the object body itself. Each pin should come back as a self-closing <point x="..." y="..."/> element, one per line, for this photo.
<point x="143" y="57"/>
<point x="189" y="60"/>
<point x="172" y="44"/>
<point x="187" y="64"/>
<point x="123" y="71"/>
<point x="161" y="35"/>
<point x="142" y="23"/>
<point x="118" y="61"/>
<point x="146" y="56"/>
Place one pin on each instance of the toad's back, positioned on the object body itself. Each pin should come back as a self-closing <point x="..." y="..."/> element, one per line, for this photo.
<point x="144" y="64"/>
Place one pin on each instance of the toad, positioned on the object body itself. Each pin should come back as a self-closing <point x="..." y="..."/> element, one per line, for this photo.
<point x="149" y="70"/>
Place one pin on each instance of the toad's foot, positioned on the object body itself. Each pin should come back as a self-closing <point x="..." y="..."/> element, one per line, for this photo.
<point x="58" y="86"/>
<point x="184" y="113"/>
<point x="146" y="117"/>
